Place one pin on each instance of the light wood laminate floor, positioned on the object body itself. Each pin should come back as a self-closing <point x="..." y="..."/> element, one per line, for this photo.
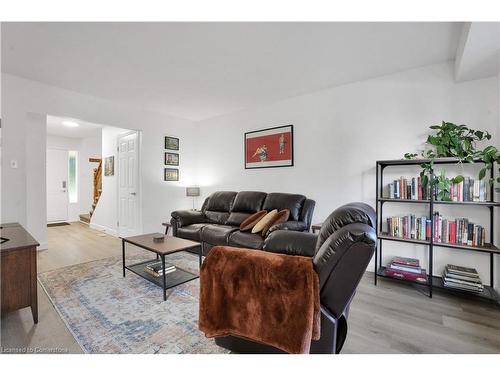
<point x="387" y="318"/>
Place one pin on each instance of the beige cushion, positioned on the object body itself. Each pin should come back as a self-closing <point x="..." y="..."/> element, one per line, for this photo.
<point x="282" y="217"/>
<point x="269" y="218"/>
<point x="253" y="219"/>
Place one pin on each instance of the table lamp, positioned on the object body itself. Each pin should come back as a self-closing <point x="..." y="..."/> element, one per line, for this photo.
<point x="193" y="192"/>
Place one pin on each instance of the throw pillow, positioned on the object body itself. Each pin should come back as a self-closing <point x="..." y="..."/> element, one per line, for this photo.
<point x="253" y="219"/>
<point x="282" y="217"/>
<point x="269" y="218"/>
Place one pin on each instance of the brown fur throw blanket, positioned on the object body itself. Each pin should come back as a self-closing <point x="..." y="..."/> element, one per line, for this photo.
<point x="269" y="298"/>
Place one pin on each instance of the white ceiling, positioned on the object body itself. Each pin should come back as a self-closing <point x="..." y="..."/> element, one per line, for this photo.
<point x="85" y="129"/>
<point x="478" y="51"/>
<point x="200" y="70"/>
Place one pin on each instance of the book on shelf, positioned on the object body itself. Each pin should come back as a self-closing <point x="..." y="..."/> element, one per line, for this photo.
<point x="468" y="190"/>
<point x="460" y="270"/>
<point x="406" y="261"/>
<point x="409" y="271"/>
<point x="463" y="278"/>
<point x="156" y="268"/>
<point x="409" y="227"/>
<point x="398" y="267"/>
<point x="451" y="231"/>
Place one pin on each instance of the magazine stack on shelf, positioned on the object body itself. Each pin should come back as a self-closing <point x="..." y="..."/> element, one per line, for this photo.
<point x="155" y="268"/>
<point x="406" y="269"/>
<point x="462" y="278"/>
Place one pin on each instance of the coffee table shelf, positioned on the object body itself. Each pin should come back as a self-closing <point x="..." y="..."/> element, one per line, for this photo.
<point x="169" y="245"/>
<point x="175" y="278"/>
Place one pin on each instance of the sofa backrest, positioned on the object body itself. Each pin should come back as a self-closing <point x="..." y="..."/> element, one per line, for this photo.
<point x="217" y="206"/>
<point x="280" y="201"/>
<point x="231" y="208"/>
<point x="245" y="203"/>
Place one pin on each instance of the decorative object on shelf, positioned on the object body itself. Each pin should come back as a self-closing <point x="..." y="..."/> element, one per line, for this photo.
<point x="194" y="192"/>
<point x="456" y="141"/>
<point x="431" y="230"/>
<point x="171" y="143"/>
<point x="158" y="237"/>
<point x="269" y="148"/>
<point x="171" y="158"/>
<point x="109" y="166"/>
<point x="171" y="174"/>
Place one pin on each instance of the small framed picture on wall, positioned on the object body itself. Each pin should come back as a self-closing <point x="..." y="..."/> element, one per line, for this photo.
<point x="171" y="158"/>
<point x="171" y="143"/>
<point x="109" y="166"/>
<point x="171" y="174"/>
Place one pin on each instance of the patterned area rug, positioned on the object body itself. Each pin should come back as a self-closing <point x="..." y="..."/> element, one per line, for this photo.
<point x="107" y="313"/>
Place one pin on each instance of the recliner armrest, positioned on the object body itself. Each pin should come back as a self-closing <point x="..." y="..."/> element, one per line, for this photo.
<point x="291" y="243"/>
<point x="187" y="217"/>
<point x="298" y="226"/>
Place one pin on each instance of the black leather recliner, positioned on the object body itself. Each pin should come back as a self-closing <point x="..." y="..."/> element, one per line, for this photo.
<point x="340" y="253"/>
<point x="218" y="221"/>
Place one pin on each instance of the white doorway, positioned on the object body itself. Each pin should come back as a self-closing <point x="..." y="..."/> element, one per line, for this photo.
<point x="57" y="185"/>
<point x="129" y="215"/>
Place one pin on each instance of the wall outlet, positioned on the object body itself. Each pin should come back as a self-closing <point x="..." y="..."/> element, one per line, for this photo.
<point x="13" y="163"/>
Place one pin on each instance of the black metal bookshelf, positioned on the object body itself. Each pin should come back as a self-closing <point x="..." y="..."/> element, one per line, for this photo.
<point x="489" y="293"/>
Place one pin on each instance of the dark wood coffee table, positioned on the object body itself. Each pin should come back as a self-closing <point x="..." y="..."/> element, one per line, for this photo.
<point x="170" y="245"/>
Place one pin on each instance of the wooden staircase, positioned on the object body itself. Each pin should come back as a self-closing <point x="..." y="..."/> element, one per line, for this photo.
<point x="97" y="189"/>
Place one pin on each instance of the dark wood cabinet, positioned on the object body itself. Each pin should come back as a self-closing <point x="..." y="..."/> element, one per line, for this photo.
<point x="18" y="269"/>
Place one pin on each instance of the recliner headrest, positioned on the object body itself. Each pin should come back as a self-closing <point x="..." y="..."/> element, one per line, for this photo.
<point x="356" y="212"/>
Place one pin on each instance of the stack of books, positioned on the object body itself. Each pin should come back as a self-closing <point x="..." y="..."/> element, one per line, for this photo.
<point x="469" y="190"/>
<point x="406" y="269"/>
<point x="462" y="278"/>
<point x="155" y="268"/>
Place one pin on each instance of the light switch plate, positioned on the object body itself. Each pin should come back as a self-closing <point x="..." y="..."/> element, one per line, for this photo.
<point x="13" y="163"/>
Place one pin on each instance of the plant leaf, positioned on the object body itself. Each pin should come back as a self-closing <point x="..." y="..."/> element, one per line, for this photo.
<point x="482" y="173"/>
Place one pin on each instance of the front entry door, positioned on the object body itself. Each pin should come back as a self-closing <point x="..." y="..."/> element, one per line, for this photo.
<point x="57" y="185"/>
<point x="128" y="185"/>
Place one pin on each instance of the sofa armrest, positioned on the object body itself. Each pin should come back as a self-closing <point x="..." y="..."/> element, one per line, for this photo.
<point x="187" y="217"/>
<point x="291" y="243"/>
<point x="298" y="226"/>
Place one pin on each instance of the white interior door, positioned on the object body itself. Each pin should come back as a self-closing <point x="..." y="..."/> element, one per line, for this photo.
<point x="57" y="185"/>
<point x="128" y="185"/>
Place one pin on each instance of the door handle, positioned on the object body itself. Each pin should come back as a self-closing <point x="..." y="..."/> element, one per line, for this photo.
<point x="133" y="193"/>
<point x="64" y="184"/>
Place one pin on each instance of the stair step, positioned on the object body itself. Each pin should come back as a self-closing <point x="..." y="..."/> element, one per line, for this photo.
<point x="85" y="218"/>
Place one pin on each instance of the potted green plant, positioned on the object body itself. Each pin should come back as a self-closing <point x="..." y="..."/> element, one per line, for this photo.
<point x="456" y="141"/>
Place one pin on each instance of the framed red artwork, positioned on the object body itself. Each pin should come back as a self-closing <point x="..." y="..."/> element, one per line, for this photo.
<point x="269" y="148"/>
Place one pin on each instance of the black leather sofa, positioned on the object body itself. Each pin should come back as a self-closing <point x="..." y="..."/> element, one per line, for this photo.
<point x="340" y="254"/>
<point x="218" y="221"/>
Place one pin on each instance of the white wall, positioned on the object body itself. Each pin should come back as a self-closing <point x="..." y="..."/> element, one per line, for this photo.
<point x="22" y="196"/>
<point x="339" y="134"/>
<point x="89" y="147"/>
<point x="105" y="215"/>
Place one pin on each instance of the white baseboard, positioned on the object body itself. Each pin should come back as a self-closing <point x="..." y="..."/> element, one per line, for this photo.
<point x="102" y="228"/>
